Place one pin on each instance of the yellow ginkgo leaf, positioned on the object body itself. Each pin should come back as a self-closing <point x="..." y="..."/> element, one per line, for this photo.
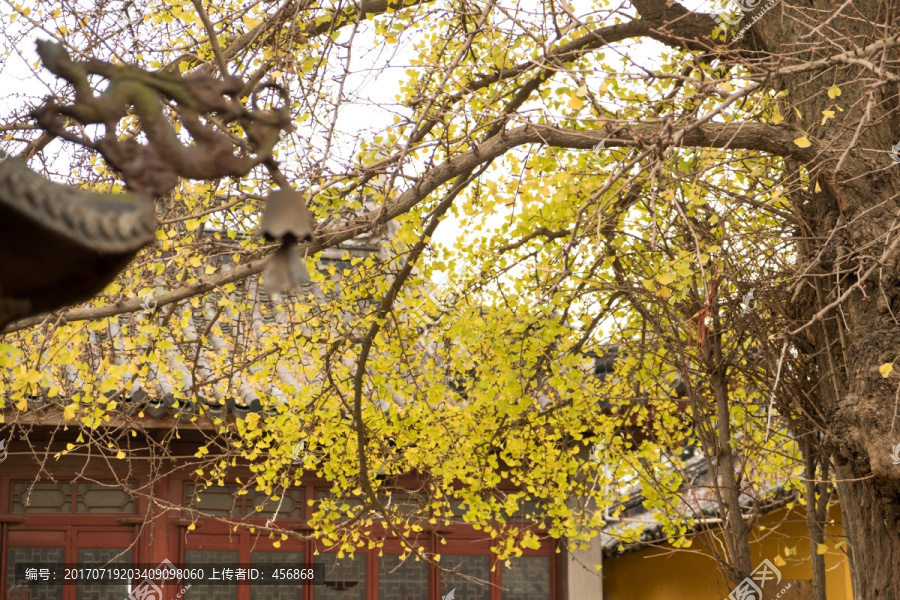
<point x="666" y="278"/>
<point x="886" y="369"/>
<point x="803" y="142"/>
<point x="821" y="548"/>
<point x="779" y="562"/>
<point x="834" y="91"/>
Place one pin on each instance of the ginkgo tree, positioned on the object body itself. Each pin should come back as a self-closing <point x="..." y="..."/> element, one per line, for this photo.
<point x="718" y="209"/>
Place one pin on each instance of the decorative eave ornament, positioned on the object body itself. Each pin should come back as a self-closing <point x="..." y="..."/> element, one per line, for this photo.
<point x="286" y="219"/>
<point x="61" y="245"/>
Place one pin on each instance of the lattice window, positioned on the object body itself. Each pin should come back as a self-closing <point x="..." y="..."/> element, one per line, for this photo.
<point x="228" y="501"/>
<point x="531" y="511"/>
<point x="406" y="580"/>
<point x="106" y="557"/>
<point x="527" y="578"/>
<point x="86" y="497"/>
<point x="289" y="504"/>
<point x="352" y="503"/>
<point x="472" y="565"/>
<point x="100" y="498"/>
<point x="276" y="592"/>
<point x="408" y="503"/>
<point x="41" y="497"/>
<point x="216" y="591"/>
<point x="31" y="557"/>
<point x="344" y="579"/>
<point x="218" y="501"/>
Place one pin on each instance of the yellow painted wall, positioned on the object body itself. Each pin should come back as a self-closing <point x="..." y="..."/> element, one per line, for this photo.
<point x="666" y="573"/>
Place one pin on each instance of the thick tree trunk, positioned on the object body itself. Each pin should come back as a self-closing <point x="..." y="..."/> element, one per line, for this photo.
<point x="873" y="530"/>
<point x="849" y="252"/>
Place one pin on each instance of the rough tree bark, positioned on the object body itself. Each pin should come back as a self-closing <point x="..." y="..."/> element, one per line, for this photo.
<point x="849" y="250"/>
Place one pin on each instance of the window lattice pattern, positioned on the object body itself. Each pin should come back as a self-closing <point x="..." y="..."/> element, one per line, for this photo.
<point x="103" y="556"/>
<point x="530" y="511"/>
<point x="219" y="501"/>
<point x="527" y="578"/>
<point x="471" y="565"/>
<point x="288" y="591"/>
<point x="352" y="503"/>
<point x="402" y="581"/>
<point x="226" y="501"/>
<point x="226" y="558"/>
<point x="33" y="557"/>
<point x="289" y="506"/>
<point x="345" y="579"/>
<point x="89" y="497"/>
<point x="99" y="498"/>
<point x="41" y="497"/>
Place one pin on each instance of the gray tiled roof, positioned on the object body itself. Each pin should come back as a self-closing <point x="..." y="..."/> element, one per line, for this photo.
<point x="236" y="394"/>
